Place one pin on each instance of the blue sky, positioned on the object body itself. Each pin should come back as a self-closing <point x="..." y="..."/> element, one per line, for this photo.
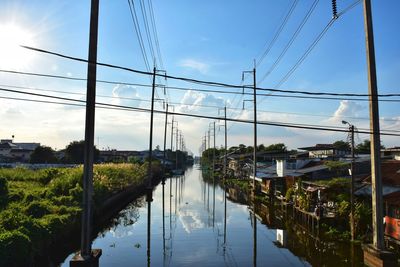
<point x="208" y="40"/>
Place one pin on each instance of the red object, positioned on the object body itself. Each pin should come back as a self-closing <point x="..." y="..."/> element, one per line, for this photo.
<point x="392" y="227"/>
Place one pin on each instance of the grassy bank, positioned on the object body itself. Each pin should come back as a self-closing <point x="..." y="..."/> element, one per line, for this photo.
<point x="40" y="206"/>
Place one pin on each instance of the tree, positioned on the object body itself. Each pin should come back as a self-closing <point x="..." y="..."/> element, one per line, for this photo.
<point x="261" y="147"/>
<point x="74" y="152"/>
<point x="276" y="147"/>
<point x="242" y="149"/>
<point x="341" y="145"/>
<point x="43" y="154"/>
<point x="249" y="149"/>
<point x="364" y="147"/>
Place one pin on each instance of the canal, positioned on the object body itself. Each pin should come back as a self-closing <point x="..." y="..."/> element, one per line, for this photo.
<point x="196" y="225"/>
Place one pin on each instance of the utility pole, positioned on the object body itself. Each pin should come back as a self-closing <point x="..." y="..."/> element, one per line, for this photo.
<point x="376" y="178"/>
<point x="226" y="145"/>
<point x="165" y="143"/>
<point x="177" y="147"/>
<point x="352" y="184"/>
<point x="172" y="134"/>
<point x="204" y="149"/>
<point x="255" y="133"/>
<point x="375" y="254"/>
<point x="255" y="170"/>
<point x="149" y="196"/>
<point x="254" y="162"/>
<point x="150" y="171"/>
<point x="213" y="162"/>
<point x="351" y="131"/>
<point x="209" y="141"/>
<point x="180" y="140"/>
<point x="87" y="257"/>
<point x="254" y="125"/>
<point x="225" y="173"/>
<point x="213" y="174"/>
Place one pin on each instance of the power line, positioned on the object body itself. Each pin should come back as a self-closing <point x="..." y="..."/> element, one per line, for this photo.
<point x="292" y="39"/>
<point x="190" y="80"/>
<point x="312" y="46"/>
<point x="278" y="32"/>
<point x="155" y="35"/>
<point x="306" y="53"/>
<point x="199" y="90"/>
<point x="278" y="124"/>
<point x="138" y="33"/>
<point x="146" y="27"/>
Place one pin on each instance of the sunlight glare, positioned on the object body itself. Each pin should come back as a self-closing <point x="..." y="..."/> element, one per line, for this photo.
<point x="11" y="54"/>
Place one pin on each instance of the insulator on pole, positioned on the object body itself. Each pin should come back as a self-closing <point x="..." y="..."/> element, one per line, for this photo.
<point x="334" y="10"/>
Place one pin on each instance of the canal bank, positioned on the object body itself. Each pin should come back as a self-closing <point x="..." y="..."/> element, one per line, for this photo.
<point x="104" y="218"/>
<point x="192" y="223"/>
<point x="40" y="220"/>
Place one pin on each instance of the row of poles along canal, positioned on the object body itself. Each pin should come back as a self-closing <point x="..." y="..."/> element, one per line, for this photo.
<point x="89" y="257"/>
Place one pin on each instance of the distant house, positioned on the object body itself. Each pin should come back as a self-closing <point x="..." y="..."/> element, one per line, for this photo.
<point x="392" y="219"/>
<point x="16" y="152"/>
<point x="324" y="151"/>
<point x="393" y="153"/>
<point x="114" y="155"/>
<point x="240" y="165"/>
<point x="6" y="147"/>
<point x="390" y="171"/>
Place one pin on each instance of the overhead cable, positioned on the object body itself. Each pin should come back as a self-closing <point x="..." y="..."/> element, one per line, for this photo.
<point x="292" y="39"/>
<point x="278" y="32"/>
<point x="217" y="84"/>
<point x="200" y="90"/>
<point x="279" y="124"/>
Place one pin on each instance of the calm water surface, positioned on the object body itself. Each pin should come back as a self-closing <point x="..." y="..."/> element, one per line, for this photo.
<point x="192" y="232"/>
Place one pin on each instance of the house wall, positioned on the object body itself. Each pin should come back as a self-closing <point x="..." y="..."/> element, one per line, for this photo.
<point x="5" y="151"/>
<point x="321" y="153"/>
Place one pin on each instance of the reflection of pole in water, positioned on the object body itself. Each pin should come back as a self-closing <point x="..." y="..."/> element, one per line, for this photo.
<point x="352" y="255"/>
<point x="224" y="215"/>
<point x="176" y="193"/>
<point x="225" y="174"/>
<point x="208" y="197"/>
<point x="170" y="213"/>
<point x="254" y="235"/>
<point x="213" y="176"/>
<point x="163" y="213"/>
<point x="213" y="200"/>
<point x="148" y="227"/>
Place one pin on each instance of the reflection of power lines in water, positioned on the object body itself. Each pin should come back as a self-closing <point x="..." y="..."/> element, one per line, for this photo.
<point x="223" y="249"/>
<point x="254" y="214"/>
<point x="173" y="214"/>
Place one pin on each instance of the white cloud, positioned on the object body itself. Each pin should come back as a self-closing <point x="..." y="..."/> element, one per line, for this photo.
<point x="195" y="64"/>
<point x="346" y="108"/>
<point x="192" y="101"/>
<point x="125" y="95"/>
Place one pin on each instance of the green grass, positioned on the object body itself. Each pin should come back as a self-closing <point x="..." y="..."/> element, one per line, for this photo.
<point x="41" y="205"/>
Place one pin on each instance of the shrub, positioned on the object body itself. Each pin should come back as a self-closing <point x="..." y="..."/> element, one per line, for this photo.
<point x="362" y="217"/>
<point x="3" y="192"/>
<point x="13" y="218"/>
<point x="62" y="184"/>
<point x="47" y="175"/>
<point x="15" y="195"/>
<point x="289" y="194"/>
<point x="55" y="223"/>
<point x="15" y="249"/>
<point x="38" y="209"/>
